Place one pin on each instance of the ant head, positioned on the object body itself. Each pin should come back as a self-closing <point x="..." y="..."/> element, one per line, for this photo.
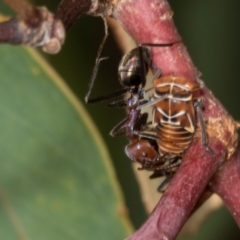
<point x="142" y="152"/>
<point x="134" y="67"/>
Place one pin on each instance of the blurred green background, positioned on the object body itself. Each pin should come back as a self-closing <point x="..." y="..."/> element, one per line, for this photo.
<point x="210" y="30"/>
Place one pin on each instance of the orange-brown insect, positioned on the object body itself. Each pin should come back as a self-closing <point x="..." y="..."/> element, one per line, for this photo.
<point x="175" y="113"/>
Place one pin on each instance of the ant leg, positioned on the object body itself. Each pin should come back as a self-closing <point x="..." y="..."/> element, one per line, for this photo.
<point x="158" y="70"/>
<point x="122" y="102"/>
<point x="142" y="68"/>
<point x="163" y="184"/>
<point x="198" y="106"/>
<point x="120" y="128"/>
<point x="149" y="164"/>
<point x="169" y="176"/>
<point x="146" y="135"/>
<point x="149" y="89"/>
<point x="153" y="100"/>
<point x="169" y="166"/>
<point x="160" y="44"/>
<point x="118" y="103"/>
<point x="109" y="96"/>
<point x="95" y="71"/>
<point x="157" y="73"/>
<point x="141" y="122"/>
<point x="157" y="174"/>
<point x="168" y="173"/>
<point x="141" y="58"/>
<point x="94" y="74"/>
<point x="98" y="60"/>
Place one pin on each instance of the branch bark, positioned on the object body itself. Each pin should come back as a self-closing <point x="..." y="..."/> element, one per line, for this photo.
<point x="70" y="11"/>
<point x="226" y="183"/>
<point x="34" y="26"/>
<point x="150" y="21"/>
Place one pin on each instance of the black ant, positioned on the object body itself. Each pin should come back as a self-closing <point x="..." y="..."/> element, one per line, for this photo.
<point x="132" y="75"/>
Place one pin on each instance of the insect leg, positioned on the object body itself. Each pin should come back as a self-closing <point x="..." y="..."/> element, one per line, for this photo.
<point x="98" y="60"/>
<point x="143" y="70"/>
<point x="151" y="102"/>
<point x="121" y="102"/>
<point x="175" y="163"/>
<point x="157" y="174"/>
<point x="120" y="128"/>
<point x="168" y="174"/>
<point x="118" y="103"/>
<point x="157" y="73"/>
<point x="163" y="184"/>
<point x="160" y="44"/>
<point x="147" y="135"/>
<point x="142" y="121"/>
<point x="166" y="171"/>
<point x="198" y="106"/>
<point x="141" y="59"/>
<point x="108" y="96"/>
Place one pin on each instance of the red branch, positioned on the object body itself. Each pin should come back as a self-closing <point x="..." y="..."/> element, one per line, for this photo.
<point x="70" y="11"/>
<point x="226" y="183"/>
<point x="150" y="21"/>
<point x="182" y="194"/>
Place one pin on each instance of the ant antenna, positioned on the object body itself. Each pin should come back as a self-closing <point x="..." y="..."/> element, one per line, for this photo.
<point x="98" y="60"/>
<point x="141" y="60"/>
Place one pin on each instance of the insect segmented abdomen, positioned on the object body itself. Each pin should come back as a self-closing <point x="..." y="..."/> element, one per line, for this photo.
<point x="173" y="139"/>
<point x="173" y="115"/>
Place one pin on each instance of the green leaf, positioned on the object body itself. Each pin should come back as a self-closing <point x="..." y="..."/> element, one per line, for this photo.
<point x="56" y="179"/>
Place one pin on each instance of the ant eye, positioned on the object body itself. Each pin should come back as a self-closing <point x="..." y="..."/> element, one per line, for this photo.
<point x="144" y="154"/>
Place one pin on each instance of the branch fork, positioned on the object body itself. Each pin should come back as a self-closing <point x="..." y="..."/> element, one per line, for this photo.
<point x="150" y="21"/>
